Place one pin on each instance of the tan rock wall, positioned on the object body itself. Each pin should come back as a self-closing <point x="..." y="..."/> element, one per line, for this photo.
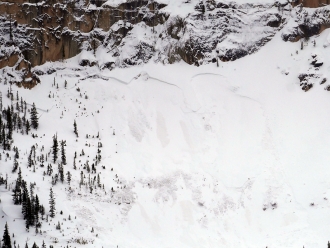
<point x="313" y="3"/>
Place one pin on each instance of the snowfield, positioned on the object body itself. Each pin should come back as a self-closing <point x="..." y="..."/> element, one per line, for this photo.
<point x="228" y="156"/>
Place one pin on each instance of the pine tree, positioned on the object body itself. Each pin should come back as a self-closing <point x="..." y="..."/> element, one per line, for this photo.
<point x="3" y="136"/>
<point x="27" y="126"/>
<point x="61" y="172"/>
<point x="15" y="165"/>
<point x="42" y="211"/>
<point x="22" y="105"/>
<point x="74" y="164"/>
<point x="25" y="108"/>
<point x="36" y="210"/>
<point x="9" y="122"/>
<point x="51" y="203"/>
<point x="34" y="117"/>
<point x="69" y="177"/>
<point x="16" y="195"/>
<point x="43" y="244"/>
<point x="19" y="177"/>
<point x="30" y="162"/>
<point x="42" y="160"/>
<point x="35" y="245"/>
<point x="1" y="127"/>
<point x="6" y="238"/>
<point x="16" y="153"/>
<point x="328" y="244"/>
<point x="63" y="157"/>
<point x="75" y="128"/>
<point x="28" y="213"/>
<point x="25" y="196"/>
<point x="98" y="180"/>
<point x="55" y="148"/>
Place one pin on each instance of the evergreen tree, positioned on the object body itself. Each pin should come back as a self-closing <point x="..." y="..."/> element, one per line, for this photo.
<point x="27" y="127"/>
<point x="16" y="153"/>
<point x="6" y="238"/>
<point x="34" y="117"/>
<point x="98" y="157"/>
<point x="15" y="165"/>
<point x="74" y="164"/>
<point x="22" y="104"/>
<point x="17" y="193"/>
<point x="42" y="211"/>
<point x="34" y="245"/>
<point x="43" y="244"/>
<point x="3" y="136"/>
<point x="55" y="148"/>
<point x="19" y="177"/>
<point x="36" y="210"/>
<point x="75" y="128"/>
<point x="14" y="119"/>
<point x="30" y="162"/>
<point x="98" y="180"/>
<point x="328" y="244"/>
<point x="51" y="203"/>
<point x="25" y="196"/>
<point x="42" y="160"/>
<point x="63" y="157"/>
<point x="69" y="177"/>
<point x="1" y="127"/>
<point x="19" y="123"/>
<point x="9" y="123"/>
<point x="61" y="172"/>
<point x="27" y="215"/>
<point x="25" y="108"/>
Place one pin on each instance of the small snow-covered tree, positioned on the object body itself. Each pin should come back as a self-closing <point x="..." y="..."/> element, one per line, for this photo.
<point x="61" y="172"/>
<point x="63" y="157"/>
<point x="75" y="130"/>
<point x="34" y="117"/>
<point x="6" y="242"/>
<point x="55" y="148"/>
<point x="51" y="203"/>
<point x="35" y="245"/>
<point x="27" y="126"/>
<point x="69" y="177"/>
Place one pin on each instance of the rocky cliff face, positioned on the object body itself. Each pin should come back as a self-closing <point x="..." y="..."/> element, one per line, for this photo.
<point x="312" y="3"/>
<point x="134" y="32"/>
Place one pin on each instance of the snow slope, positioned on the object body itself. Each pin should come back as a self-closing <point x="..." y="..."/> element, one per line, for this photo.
<point x="228" y="156"/>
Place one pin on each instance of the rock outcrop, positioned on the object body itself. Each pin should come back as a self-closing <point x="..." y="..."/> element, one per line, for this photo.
<point x="134" y="32"/>
<point x="312" y="3"/>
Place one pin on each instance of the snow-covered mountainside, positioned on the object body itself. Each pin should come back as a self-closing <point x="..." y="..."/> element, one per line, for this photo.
<point x="126" y="33"/>
<point x="167" y="154"/>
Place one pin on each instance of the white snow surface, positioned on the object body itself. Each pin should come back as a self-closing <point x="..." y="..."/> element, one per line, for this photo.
<point x="185" y="7"/>
<point x="228" y="156"/>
